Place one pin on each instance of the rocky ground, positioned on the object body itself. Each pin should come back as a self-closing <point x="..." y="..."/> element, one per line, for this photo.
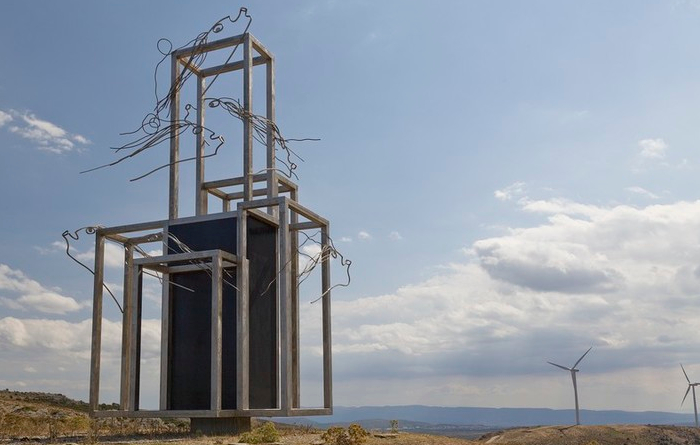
<point x="594" y="434"/>
<point x="52" y="418"/>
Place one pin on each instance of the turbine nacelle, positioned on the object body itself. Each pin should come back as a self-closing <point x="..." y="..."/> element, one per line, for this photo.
<point x="573" y="368"/>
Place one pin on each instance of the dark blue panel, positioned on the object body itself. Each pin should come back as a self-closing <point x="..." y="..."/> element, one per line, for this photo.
<point x="190" y="332"/>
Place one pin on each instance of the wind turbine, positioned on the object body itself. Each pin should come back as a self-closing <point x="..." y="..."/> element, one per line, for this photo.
<point x="573" y="372"/>
<point x="691" y="385"/>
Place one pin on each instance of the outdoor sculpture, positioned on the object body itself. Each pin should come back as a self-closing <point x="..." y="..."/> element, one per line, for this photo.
<point x="230" y="303"/>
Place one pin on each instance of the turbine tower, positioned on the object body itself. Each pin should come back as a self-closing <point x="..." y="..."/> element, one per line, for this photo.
<point x="691" y="385"/>
<point x="573" y="372"/>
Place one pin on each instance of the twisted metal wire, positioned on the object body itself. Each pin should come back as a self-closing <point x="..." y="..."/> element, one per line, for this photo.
<point x="158" y="125"/>
<point x="196" y="59"/>
<point x="161" y="134"/>
<point x="201" y="264"/>
<point x="75" y="236"/>
<point x="260" y="126"/>
<point x="326" y="253"/>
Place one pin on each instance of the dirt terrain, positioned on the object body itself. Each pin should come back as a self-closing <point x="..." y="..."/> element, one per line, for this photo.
<point x="596" y="434"/>
<point x="545" y="435"/>
<point x="52" y="418"/>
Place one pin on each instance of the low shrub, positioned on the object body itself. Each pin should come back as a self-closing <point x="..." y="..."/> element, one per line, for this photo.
<point x="337" y="435"/>
<point x="265" y="433"/>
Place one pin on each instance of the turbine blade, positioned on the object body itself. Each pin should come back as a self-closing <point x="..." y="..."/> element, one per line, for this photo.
<point x="560" y="366"/>
<point x="686" y="395"/>
<point x="684" y="373"/>
<point x="584" y="354"/>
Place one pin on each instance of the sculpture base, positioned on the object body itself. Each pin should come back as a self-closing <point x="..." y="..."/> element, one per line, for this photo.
<point x="216" y="426"/>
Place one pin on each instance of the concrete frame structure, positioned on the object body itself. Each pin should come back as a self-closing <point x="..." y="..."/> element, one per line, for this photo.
<point x="275" y="204"/>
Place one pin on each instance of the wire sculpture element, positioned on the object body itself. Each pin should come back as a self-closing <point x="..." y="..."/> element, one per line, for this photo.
<point x="89" y="230"/>
<point x="184" y="248"/>
<point x="196" y="59"/>
<point x="260" y="126"/>
<point x="157" y="125"/>
<point x="161" y="134"/>
<point x="326" y="253"/>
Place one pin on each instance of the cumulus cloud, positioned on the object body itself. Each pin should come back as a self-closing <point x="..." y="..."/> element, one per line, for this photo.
<point x="621" y="278"/>
<point x="56" y="246"/>
<point x="47" y="346"/>
<point x="345" y="239"/>
<point x="46" y="135"/>
<point x="395" y="236"/>
<point x="362" y="235"/>
<point x="22" y="293"/>
<point x="72" y="339"/>
<point x="560" y="206"/>
<point x="4" y="118"/>
<point x="508" y="193"/>
<point x="562" y="266"/>
<point x="642" y="191"/>
<point x="113" y="255"/>
<point x="652" y="148"/>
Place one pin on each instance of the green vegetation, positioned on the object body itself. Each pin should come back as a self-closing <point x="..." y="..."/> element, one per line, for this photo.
<point x="394" y="426"/>
<point x="18" y="423"/>
<point x="337" y="435"/>
<point x="35" y="414"/>
<point x="265" y="433"/>
<point x="58" y="400"/>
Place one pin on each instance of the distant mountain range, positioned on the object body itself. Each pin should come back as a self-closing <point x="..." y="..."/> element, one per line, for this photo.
<point x="418" y="415"/>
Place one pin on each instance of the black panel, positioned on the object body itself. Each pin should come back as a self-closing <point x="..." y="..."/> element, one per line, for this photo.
<point x="228" y="342"/>
<point x="190" y="341"/>
<point x="262" y="245"/>
<point x="190" y="334"/>
<point x="205" y="235"/>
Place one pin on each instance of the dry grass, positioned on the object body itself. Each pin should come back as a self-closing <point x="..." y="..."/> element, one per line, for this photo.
<point x="401" y="439"/>
<point x="597" y="435"/>
<point x="53" y="418"/>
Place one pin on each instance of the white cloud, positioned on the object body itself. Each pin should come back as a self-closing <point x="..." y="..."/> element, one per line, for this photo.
<point x="4" y="118"/>
<point x="48" y="346"/>
<point x="362" y="235"/>
<point x="345" y="239"/>
<point x="113" y="257"/>
<point x="49" y="302"/>
<point x="559" y="206"/>
<point x="309" y="256"/>
<point x="642" y="191"/>
<point x="72" y="339"/>
<point x="56" y="246"/>
<point x="28" y="294"/>
<point x="620" y="278"/>
<point x="653" y="148"/>
<point x="508" y="193"/>
<point x="80" y="139"/>
<point x="395" y="236"/>
<point x="311" y="250"/>
<point x="47" y="135"/>
<point x="46" y="127"/>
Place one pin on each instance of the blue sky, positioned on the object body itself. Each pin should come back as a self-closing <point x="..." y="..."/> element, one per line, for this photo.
<point x="514" y="182"/>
